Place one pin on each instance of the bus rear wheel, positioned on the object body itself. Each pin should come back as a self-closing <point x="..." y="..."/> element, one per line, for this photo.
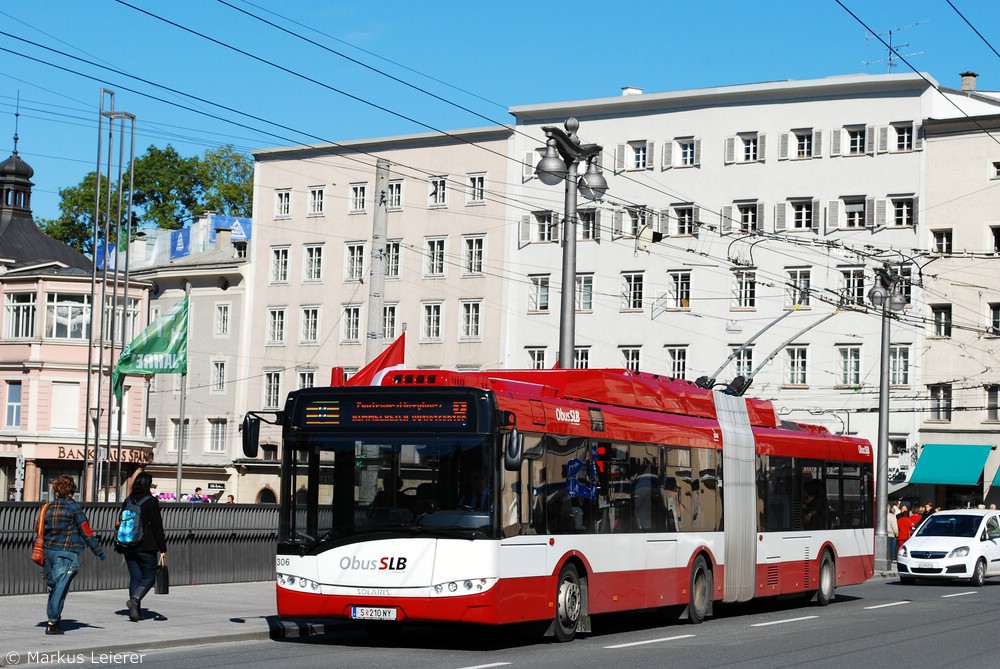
<point x="700" y="603"/>
<point x="569" y="603"/>
<point x="827" y="580"/>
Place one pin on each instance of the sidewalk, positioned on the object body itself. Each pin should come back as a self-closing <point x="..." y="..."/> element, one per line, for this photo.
<point x="97" y="621"/>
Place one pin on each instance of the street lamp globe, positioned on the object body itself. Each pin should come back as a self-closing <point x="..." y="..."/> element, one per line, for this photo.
<point x="593" y="185"/>
<point x="551" y="169"/>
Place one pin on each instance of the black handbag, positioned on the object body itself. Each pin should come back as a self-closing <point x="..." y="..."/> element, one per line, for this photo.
<point x="162" y="586"/>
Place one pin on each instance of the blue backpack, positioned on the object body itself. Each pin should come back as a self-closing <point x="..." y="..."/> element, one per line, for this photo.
<point x="129" y="533"/>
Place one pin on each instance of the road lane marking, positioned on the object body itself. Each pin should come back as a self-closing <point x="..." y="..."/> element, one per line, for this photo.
<point x="882" y="606"/>
<point x="959" y="594"/>
<point x="782" y="622"/>
<point x="486" y="666"/>
<point x="643" y="643"/>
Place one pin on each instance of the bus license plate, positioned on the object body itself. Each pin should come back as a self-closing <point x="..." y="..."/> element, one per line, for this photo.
<point x="372" y="613"/>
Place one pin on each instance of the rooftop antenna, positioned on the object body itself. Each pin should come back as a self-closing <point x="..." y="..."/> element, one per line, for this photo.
<point x="893" y="50"/>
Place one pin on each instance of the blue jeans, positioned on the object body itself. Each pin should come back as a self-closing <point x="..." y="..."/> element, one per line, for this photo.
<point x="892" y="548"/>
<point x="141" y="572"/>
<point x="61" y="568"/>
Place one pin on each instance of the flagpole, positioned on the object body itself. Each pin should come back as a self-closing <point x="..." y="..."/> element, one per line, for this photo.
<point x="180" y="426"/>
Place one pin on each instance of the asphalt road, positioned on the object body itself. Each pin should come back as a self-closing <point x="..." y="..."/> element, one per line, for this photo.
<point x="878" y="624"/>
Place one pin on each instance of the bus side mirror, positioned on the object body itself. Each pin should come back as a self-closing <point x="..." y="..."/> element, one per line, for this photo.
<point x="513" y="451"/>
<point x="251" y="435"/>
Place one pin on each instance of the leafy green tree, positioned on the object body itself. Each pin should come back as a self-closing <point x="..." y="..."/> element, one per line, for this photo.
<point x="167" y="189"/>
<point x="75" y="223"/>
<point x="227" y="178"/>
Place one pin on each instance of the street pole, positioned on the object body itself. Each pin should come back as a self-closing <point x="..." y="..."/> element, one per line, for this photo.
<point x="567" y="308"/>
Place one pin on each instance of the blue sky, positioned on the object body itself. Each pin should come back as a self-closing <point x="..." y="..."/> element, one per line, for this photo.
<point x="478" y="58"/>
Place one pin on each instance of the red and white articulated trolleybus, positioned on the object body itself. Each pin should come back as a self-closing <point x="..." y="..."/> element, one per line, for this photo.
<point x="502" y="497"/>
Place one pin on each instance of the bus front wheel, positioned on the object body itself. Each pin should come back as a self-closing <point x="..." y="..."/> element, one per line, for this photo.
<point x="827" y="580"/>
<point x="569" y="603"/>
<point x="700" y="603"/>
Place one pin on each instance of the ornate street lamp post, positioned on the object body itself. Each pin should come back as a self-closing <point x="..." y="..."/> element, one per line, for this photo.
<point x="563" y="152"/>
<point x="884" y="296"/>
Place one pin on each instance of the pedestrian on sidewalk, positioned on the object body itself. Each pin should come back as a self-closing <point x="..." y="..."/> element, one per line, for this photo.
<point x="142" y="560"/>
<point x="66" y="533"/>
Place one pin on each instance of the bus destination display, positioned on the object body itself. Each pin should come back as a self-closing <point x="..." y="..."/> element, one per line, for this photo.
<point x="387" y="413"/>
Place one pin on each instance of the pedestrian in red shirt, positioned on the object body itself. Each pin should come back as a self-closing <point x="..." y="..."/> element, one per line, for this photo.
<point x="905" y="523"/>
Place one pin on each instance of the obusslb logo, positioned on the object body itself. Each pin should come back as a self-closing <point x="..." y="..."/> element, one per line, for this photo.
<point x="350" y="563"/>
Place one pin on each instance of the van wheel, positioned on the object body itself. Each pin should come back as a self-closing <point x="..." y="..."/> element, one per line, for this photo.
<point x="700" y="602"/>
<point x="978" y="574"/>
<point x="569" y="603"/>
<point x="827" y="580"/>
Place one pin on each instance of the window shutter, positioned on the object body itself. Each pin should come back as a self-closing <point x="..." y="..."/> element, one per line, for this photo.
<point x="620" y="158"/>
<point x="783" y="146"/>
<point x="667" y="159"/>
<point x="760" y="216"/>
<point x="695" y="219"/>
<point x="730" y="150"/>
<point x="761" y="146"/>
<point x="833" y="214"/>
<point x="870" y="212"/>
<point x="726" y="225"/>
<point x="817" y="144"/>
<point x="918" y="137"/>
<point x="524" y="232"/>
<point x="555" y="234"/>
<point x="880" y="206"/>
<point x="870" y="140"/>
<point x="835" y="137"/>
<point x="528" y="167"/>
<point x="779" y="216"/>
<point x="883" y="138"/>
<point x="664" y="226"/>
<point x="597" y="225"/>
<point x="650" y="155"/>
<point x="916" y="211"/>
<point x="814" y="223"/>
<point x="616" y="224"/>
<point x="697" y="152"/>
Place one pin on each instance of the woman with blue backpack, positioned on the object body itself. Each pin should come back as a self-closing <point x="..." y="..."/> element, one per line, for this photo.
<point x="140" y="538"/>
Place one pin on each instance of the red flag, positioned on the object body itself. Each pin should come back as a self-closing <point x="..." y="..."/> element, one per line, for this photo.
<point x="391" y="359"/>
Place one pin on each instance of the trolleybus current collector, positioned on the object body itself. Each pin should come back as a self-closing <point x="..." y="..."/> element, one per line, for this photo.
<point x="510" y="496"/>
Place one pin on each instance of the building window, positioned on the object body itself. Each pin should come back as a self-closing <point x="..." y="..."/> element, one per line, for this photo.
<point x="389" y="321"/>
<point x="631" y="291"/>
<point x="902" y="212"/>
<point x="797" y="289"/>
<point x="543" y="229"/>
<point x="392" y="260"/>
<point x="941" y="314"/>
<point x="314" y="263"/>
<point x="125" y="321"/>
<point x="993" y="403"/>
<point x="13" y="405"/>
<point x="748" y="218"/>
<point x="587" y="225"/>
<point x="803" y="144"/>
<point x="538" y="297"/>
<point x="850" y="365"/>
<point x="272" y="388"/>
<point x="856" y="144"/>
<point x="802" y="215"/>
<point x="743" y="362"/>
<point x="677" y="361"/>
<point x="940" y="401"/>
<point x="354" y="260"/>
<point x="638" y="217"/>
<point x="630" y="357"/>
<point x="222" y="320"/>
<point x="685" y="220"/>
<point x="687" y="152"/>
<point x="796" y="356"/>
<point x="316" y="201"/>
<point x="472" y="319"/>
<point x="305" y="378"/>
<point x="581" y="358"/>
<point x="993" y="327"/>
<point x="942" y="241"/>
<point x="395" y="195"/>
<point x="536" y="358"/>
<point x="438" y="192"/>
<point x="854" y="212"/>
<point x="279" y="264"/>
<point x="430" y="326"/>
<point x="744" y="289"/>
<point x="275" y="326"/>
<point x="67" y="316"/>
<point x="853" y="290"/>
<point x="282" y="203"/>
<point x="639" y="155"/>
<point x="217" y="439"/>
<point x="350" y="331"/>
<point x="19" y="319"/>
<point x="309" y="325"/>
<point x="434" y="257"/>
<point x="218" y="376"/>
<point x="472" y="259"/>
<point x="175" y="443"/>
<point x="899" y="365"/>
<point x="359" y="198"/>
<point x="904" y="136"/>
<point x="476" y="193"/>
<point x="584" y="292"/>
<point x="679" y="288"/>
<point x="749" y="144"/>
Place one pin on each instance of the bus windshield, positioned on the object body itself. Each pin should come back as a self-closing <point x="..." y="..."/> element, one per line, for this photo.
<point x="343" y="488"/>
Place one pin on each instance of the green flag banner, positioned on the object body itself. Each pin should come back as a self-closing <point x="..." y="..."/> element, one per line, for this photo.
<point x="160" y="349"/>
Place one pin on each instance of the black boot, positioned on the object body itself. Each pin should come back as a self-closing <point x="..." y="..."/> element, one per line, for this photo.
<point x="134" y="612"/>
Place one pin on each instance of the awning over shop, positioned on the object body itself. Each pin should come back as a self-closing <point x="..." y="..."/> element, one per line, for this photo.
<point x="954" y="464"/>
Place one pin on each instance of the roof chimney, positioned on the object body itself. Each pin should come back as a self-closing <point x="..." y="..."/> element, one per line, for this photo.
<point x="223" y="239"/>
<point x="969" y="81"/>
<point x="631" y="90"/>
